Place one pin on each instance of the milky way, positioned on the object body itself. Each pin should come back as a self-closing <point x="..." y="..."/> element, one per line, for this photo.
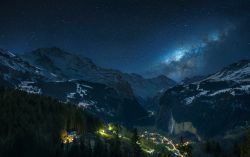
<point x="192" y="58"/>
<point x="187" y="60"/>
<point x="178" y="38"/>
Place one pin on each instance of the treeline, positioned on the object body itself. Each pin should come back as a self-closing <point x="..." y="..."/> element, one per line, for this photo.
<point x="245" y="145"/>
<point x="239" y="149"/>
<point x="94" y="146"/>
<point x="30" y="125"/>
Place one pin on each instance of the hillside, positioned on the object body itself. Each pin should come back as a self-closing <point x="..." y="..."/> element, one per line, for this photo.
<point x="70" y="66"/>
<point x="116" y="102"/>
<point x="31" y="125"/>
<point x="211" y="107"/>
<point x="34" y="125"/>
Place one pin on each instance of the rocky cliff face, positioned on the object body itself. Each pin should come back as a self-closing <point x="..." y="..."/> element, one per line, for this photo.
<point x="209" y="107"/>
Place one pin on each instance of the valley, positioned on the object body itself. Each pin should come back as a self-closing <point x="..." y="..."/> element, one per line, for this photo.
<point x="184" y="116"/>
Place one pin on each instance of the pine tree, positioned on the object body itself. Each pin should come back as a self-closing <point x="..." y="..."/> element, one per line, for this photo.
<point x="136" y="147"/>
<point x="189" y="149"/>
<point x="236" y="150"/>
<point x="82" y="146"/>
<point x="88" y="151"/>
<point x="245" y="147"/>
<point x="217" y="149"/>
<point x="74" y="151"/>
<point x="31" y="124"/>
<point x="98" y="148"/>
<point x="181" y="140"/>
<point x="115" y="147"/>
<point x="208" y="147"/>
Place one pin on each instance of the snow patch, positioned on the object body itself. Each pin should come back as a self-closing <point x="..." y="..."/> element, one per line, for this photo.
<point x="80" y="90"/>
<point x="232" y="91"/>
<point x="53" y="74"/>
<point x="238" y="75"/>
<point x="220" y="92"/>
<point x="189" y="100"/>
<point x="11" y="54"/>
<point x="28" y="87"/>
<point x="71" y="95"/>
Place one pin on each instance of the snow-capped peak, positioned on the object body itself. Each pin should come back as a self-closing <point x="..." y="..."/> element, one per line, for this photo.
<point x="238" y="72"/>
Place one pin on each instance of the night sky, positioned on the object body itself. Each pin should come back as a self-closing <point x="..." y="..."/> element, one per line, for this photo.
<point x="178" y="38"/>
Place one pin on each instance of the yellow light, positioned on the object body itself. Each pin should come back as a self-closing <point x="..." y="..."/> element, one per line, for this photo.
<point x="150" y="151"/>
<point x="66" y="138"/>
<point x="110" y="127"/>
<point x="103" y="133"/>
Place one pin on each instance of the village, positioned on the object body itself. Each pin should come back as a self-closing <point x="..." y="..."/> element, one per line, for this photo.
<point x="149" y="142"/>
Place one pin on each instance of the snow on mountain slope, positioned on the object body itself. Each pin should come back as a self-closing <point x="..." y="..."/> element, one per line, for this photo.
<point x="71" y="66"/>
<point x="221" y="100"/>
<point x="14" y="68"/>
<point x="97" y="98"/>
<point x="11" y="61"/>
<point x="238" y="72"/>
<point x="236" y="77"/>
<point x="115" y="102"/>
<point x="29" y="87"/>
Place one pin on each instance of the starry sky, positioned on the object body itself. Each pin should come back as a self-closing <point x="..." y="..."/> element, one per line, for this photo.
<point x="178" y="38"/>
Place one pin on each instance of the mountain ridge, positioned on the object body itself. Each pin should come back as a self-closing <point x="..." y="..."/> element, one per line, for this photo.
<point x="72" y="66"/>
<point x="221" y="100"/>
<point x="111" y="102"/>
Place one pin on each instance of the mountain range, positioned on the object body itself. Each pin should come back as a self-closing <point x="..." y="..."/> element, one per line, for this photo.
<point x="66" y="65"/>
<point x="205" y="106"/>
<point x="71" y="78"/>
<point x="212" y="106"/>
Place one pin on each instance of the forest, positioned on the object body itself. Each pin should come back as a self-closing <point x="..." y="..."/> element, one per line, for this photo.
<point x="33" y="125"/>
